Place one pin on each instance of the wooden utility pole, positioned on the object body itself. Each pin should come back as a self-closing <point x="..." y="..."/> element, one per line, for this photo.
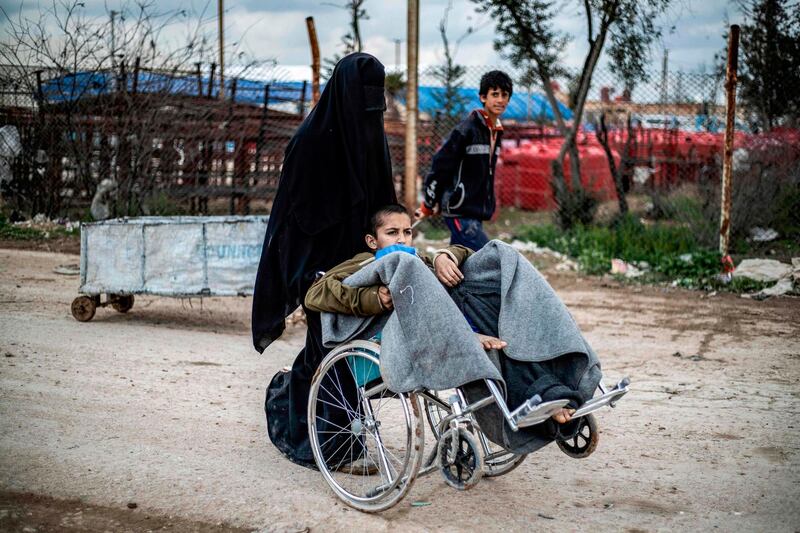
<point x="412" y="46"/>
<point x="220" y="31"/>
<point x="312" y="39"/>
<point x="727" y="156"/>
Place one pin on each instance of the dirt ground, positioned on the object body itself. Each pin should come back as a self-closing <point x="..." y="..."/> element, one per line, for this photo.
<point x="154" y="420"/>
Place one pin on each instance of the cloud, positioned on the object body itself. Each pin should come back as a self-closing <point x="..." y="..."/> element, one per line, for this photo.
<point x="276" y="29"/>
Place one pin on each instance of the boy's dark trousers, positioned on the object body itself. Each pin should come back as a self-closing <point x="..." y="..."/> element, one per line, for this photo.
<point x="466" y="232"/>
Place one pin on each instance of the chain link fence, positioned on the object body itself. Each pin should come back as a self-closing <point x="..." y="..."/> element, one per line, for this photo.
<point x="135" y="141"/>
<point x="657" y="146"/>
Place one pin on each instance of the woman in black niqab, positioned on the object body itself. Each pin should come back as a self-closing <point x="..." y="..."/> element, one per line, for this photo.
<point x="336" y="172"/>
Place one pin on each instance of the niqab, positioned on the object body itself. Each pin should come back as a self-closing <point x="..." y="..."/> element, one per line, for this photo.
<point x="336" y="172"/>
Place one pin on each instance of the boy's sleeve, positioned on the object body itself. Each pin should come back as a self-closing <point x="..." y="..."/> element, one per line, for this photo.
<point x="329" y="294"/>
<point x="443" y="168"/>
<point x="456" y="252"/>
<point x="460" y="252"/>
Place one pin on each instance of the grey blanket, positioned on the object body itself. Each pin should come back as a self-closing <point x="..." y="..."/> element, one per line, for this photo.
<point x="428" y="343"/>
<point x="531" y="317"/>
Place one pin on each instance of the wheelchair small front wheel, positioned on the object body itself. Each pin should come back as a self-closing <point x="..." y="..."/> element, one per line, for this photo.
<point x="460" y="460"/>
<point x="584" y="442"/>
<point x="495" y="461"/>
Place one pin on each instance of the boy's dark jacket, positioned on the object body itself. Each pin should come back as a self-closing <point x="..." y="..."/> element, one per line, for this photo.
<point x="461" y="179"/>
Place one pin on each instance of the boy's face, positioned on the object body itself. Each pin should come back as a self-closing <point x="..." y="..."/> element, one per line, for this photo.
<point x="395" y="228"/>
<point x="495" y="101"/>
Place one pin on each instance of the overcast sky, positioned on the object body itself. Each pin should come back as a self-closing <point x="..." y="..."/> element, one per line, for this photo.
<point x="275" y="29"/>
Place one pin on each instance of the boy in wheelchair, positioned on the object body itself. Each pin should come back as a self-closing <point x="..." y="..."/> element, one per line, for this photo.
<point x="391" y="231"/>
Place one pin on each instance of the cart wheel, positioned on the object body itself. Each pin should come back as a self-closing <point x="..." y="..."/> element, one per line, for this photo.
<point x="461" y="467"/>
<point x="83" y="308"/>
<point x="122" y="302"/>
<point x="585" y="440"/>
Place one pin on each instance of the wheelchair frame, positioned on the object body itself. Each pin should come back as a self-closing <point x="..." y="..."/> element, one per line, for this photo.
<point x="463" y="454"/>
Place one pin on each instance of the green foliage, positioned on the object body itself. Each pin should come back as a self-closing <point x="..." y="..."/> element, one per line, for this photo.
<point x="666" y="250"/>
<point x="525" y="32"/>
<point x="712" y="282"/>
<point x="631" y="38"/>
<point x="450" y="74"/>
<point x="748" y="285"/>
<point x="701" y="262"/>
<point x="769" y="62"/>
<point x="395" y="83"/>
<point x="352" y="39"/>
<point x="18" y="233"/>
<point x="787" y="213"/>
<point x="14" y="232"/>
<point x="687" y="211"/>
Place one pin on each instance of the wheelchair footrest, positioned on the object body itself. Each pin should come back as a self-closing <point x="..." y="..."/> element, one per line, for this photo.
<point x="609" y="398"/>
<point x="533" y="411"/>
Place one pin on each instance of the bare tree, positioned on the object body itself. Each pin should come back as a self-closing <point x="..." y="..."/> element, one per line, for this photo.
<point x="621" y="172"/>
<point x="450" y="74"/>
<point x="352" y="39"/>
<point x="92" y="122"/>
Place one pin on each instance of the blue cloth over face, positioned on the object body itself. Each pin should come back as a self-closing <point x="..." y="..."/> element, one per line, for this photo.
<point x="395" y="248"/>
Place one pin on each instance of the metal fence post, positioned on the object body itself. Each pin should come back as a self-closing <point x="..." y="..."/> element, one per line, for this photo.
<point x="211" y="80"/>
<point x="730" y="117"/>
<point x="199" y="80"/>
<point x="262" y="136"/>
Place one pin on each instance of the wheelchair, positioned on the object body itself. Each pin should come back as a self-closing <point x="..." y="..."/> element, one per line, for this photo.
<point x="371" y="452"/>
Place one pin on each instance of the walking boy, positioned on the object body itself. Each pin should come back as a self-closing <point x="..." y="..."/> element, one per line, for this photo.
<point x="460" y="184"/>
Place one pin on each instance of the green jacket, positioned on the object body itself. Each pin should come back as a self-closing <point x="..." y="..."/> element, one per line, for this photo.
<point x="329" y="294"/>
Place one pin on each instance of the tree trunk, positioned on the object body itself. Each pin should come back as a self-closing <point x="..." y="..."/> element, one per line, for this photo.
<point x="617" y="173"/>
<point x="580" y="100"/>
<point x="557" y="165"/>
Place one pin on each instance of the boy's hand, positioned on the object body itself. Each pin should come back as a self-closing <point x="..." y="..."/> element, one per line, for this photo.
<point x="385" y="297"/>
<point x="447" y="271"/>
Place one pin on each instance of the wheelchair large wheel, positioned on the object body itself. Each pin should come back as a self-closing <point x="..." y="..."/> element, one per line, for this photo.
<point x="585" y="440"/>
<point x="495" y="461"/>
<point x="367" y="441"/>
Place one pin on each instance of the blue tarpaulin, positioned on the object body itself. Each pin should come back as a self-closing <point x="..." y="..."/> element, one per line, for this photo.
<point x="522" y="107"/>
<point x="86" y="84"/>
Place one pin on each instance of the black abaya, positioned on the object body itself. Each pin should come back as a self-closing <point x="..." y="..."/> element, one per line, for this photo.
<point x="336" y="172"/>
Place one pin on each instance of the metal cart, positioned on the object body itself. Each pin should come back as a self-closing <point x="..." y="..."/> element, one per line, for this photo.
<point x="167" y="256"/>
